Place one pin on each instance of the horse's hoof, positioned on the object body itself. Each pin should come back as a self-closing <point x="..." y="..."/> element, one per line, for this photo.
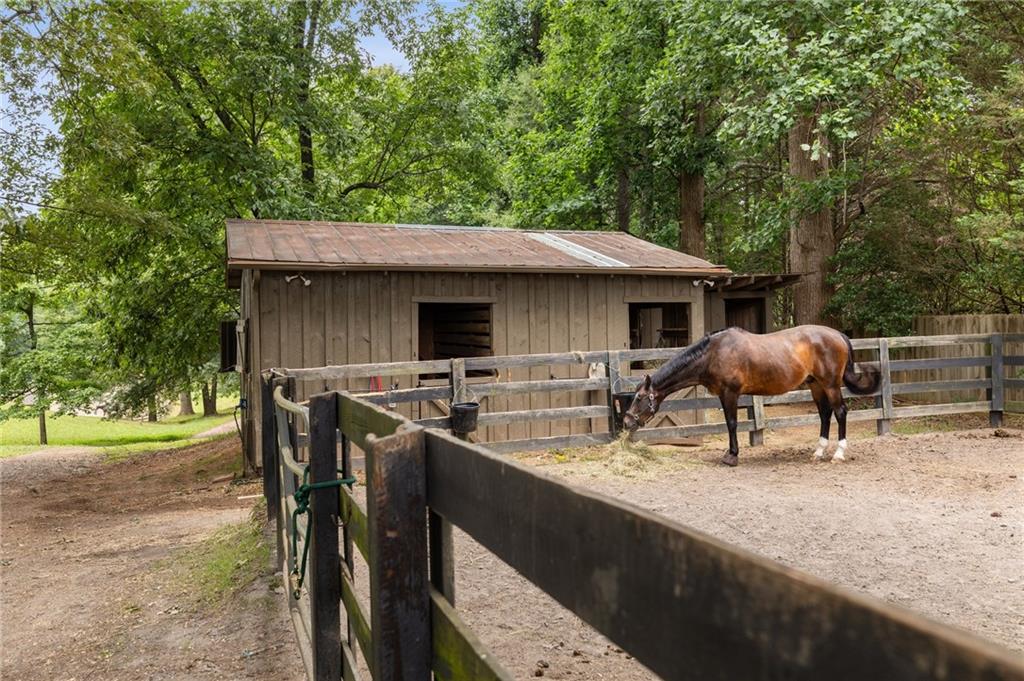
<point x="730" y="459"/>
<point x="838" y="456"/>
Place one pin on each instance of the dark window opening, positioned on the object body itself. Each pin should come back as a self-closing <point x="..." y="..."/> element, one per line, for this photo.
<point x="658" y="325"/>
<point x="450" y="330"/>
<point x="746" y="313"/>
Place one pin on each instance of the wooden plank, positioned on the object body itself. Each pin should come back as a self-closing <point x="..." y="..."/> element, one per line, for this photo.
<point x="354" y="518"/>
<point x="645" y="434"/>
<point x="405" y="395"/>
<point x="268" y="444"/>
<point x="756" y="414"/>
<point x="558" y="339"/>
<point x="458" y="655"/>
<point x="1014" y="361"/>
<point x="936" y="409"/>
<point x="997" y="394"/>
<point x="540" y="320"/>
<point x="1013" y="383"/>
<point x="556" y="414"/>
<point x="436" y="366"/>
<point x="932" y="386"/>
<point x="399" y="587"/>
<point x="358" y="619"/>
<point x="553" y="442"/>
<point x="686" y="605"/>
<point x="931" y="341"/>
<point x="552" y="385"/>
<point x="358" y="419"/>
<point x="884" y="399"/>
<point x="324" y="568"/>
<point x="937" y="363"/>
<point x="348" y="510"/>
<point x="612" y="370"/>
<point x="551" y="358"/>
<point x="458" y="381"/>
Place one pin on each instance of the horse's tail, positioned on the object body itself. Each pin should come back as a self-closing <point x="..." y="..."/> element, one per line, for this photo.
<point x="867" y="381"/>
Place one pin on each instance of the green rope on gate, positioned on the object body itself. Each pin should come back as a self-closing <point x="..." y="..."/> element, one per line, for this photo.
<point x="298" y="573"/>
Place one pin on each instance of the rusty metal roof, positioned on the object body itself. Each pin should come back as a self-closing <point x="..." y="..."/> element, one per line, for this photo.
<point x="279" y="244"/>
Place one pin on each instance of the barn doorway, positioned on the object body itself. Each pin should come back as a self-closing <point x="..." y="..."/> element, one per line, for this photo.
<point x="658" y="325"/>
<point x="746" y="313"/>
<point x="450" y="330"/>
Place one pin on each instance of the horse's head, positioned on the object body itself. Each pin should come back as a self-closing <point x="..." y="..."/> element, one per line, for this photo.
<point x="645" y="404"/>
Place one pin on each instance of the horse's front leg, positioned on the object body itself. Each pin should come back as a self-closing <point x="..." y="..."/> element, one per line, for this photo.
<point x="729" y="401"/>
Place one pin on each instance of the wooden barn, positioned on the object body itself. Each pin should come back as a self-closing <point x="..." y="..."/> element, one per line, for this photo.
<point x="322" y="293"/>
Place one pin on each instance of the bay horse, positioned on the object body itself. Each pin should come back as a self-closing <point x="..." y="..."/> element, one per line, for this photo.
<point x="735" y="362"/>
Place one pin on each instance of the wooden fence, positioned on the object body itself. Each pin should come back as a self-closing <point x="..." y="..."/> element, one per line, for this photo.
<point x="1008" y="324"/>
<point x="999" y="372"/>
<point x="684" y="604"/>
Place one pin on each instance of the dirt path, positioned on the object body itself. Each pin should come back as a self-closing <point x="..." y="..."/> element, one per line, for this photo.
<point x="932" y="522"/>
<point x="86" y="591"/>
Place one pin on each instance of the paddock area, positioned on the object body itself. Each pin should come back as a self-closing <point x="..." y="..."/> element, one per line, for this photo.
<point x="930" y="521"/>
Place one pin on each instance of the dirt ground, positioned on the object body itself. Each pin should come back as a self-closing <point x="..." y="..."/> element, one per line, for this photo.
<point x="932" y="522"/>
<point x="85" y="587"/>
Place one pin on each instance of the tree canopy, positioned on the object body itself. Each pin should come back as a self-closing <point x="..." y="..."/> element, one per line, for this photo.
<point x="875" y="147"/>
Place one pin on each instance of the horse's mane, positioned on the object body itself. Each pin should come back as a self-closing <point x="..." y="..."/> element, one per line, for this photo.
<point x="684" y="358"/>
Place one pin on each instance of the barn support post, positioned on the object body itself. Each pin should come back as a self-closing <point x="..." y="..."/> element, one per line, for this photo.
<point x="755" y="413"/>
<point x="268" y="445"/>
<point x="996" y="393"/>
<point x="612" y="368"/>
<point x="399" y="586"/>
<point x="883" y="426"/>
<point x="325" y="562"/>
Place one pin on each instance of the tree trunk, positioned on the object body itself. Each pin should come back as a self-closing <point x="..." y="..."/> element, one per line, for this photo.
<point x="151" y="409"/>
<point x="811" y="239"/>
<point x="186" y="404"/>
<point x="210" y="397"/>
<point x="306" y="20"/>
<point x="691" y="213"/>
<point x="691" y="199"/>
<point x="622" y="203"/>
<point x="42" y="428"/>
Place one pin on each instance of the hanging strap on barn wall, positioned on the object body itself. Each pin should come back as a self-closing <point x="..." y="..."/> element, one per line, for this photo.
<point x="298" y="573"/>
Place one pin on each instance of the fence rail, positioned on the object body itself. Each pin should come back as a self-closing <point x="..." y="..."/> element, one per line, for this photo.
<point x="1001" y="376"/>
<point x="686" y="605"/>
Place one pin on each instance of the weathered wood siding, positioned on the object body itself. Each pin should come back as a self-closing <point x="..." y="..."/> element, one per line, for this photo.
<point x="940" y="325"/>
<point x="360" y="317"/>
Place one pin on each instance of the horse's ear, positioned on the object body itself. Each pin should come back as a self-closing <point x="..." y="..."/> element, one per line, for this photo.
<point x="647" y="381"/>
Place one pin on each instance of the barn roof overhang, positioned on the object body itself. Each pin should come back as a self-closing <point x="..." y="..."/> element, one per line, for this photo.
<point x="753" y="282"/>
<point x="353" y="247"/>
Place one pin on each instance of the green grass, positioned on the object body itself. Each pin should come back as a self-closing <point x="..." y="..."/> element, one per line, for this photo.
<point x="227" y="562"/>
<point x="19" y="436"/>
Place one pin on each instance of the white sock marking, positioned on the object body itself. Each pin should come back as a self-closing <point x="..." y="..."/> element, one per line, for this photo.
<point x="840" y="454"/>
<point x="822" y="446"/>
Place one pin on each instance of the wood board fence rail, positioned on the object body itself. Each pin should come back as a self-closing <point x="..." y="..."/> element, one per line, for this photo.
<point x="684" y="604"/>
<point x="1001" y="371"/>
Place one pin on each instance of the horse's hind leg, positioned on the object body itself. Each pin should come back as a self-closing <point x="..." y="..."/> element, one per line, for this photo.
<point x="839" y="406"/>
<point x="729" y="401"/>
<point x="825" y="413"/>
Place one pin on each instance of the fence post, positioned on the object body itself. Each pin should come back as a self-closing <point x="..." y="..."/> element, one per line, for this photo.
<point x="346" y="534"/>
<point x="884" y="398"/>
<point x="995" y="394"/>
<point x="325" y="564"/>
<point x="755" y="413"/>
<point x="399" y="588"/>
<point x="268" y="445"/>
<point x="459" y="380"/>
<point x="612" y="367"/>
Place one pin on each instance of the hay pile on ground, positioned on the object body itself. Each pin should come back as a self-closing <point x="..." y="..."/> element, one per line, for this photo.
<point x="626" y="457"/>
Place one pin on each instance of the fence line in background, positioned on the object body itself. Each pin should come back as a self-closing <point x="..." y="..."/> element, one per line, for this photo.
<point x="1001" y="374"/>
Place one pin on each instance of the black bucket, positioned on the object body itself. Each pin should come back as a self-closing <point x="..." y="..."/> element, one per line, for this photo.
<point x="463" y="416"/>
<point x="622" y="403"/>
